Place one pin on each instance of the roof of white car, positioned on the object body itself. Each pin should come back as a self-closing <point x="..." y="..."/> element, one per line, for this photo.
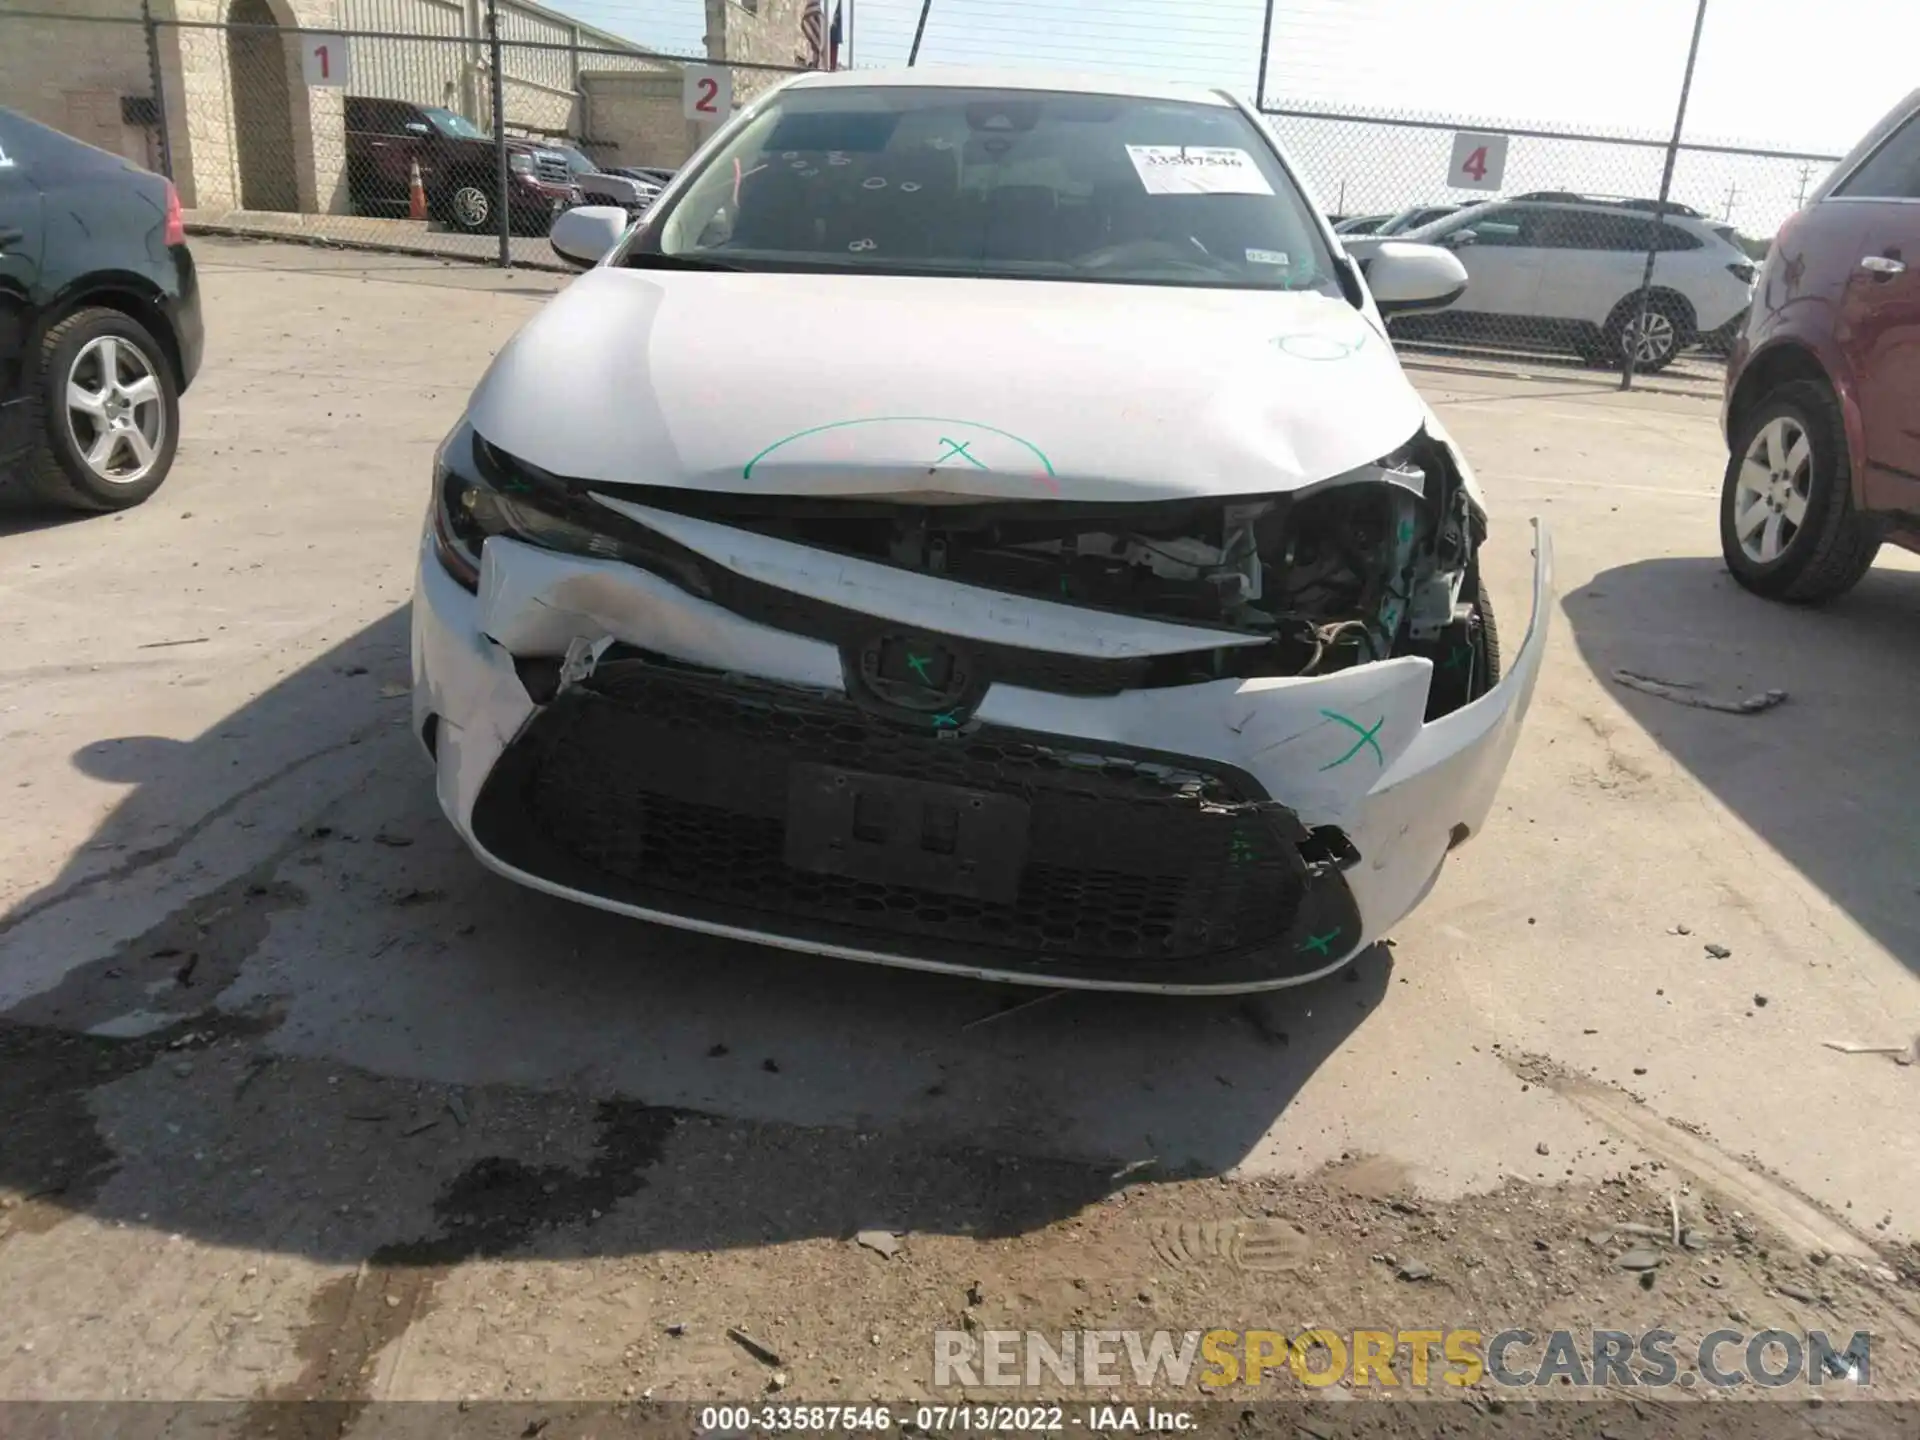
<point x="956" y="77"/>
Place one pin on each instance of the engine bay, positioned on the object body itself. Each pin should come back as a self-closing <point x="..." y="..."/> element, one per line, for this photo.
<point x="1362" y="567"/>
<point x="1366" y="566"/>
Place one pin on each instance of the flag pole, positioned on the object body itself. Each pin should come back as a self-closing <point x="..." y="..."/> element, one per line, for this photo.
<point x="849" y="34"/>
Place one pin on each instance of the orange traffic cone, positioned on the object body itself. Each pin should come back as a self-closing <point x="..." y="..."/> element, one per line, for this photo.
<point x="416" y="195"/>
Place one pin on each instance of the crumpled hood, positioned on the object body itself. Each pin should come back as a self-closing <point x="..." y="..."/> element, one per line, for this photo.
<point x="932" y="387"/>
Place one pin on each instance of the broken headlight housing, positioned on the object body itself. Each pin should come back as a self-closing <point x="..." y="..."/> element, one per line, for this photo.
<point x="480" y="492"/>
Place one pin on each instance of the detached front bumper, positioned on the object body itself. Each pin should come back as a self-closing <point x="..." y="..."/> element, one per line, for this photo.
<point x="1231" y="836"/>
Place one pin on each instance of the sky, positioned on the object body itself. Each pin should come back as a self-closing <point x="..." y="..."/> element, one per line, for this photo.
<point x="1785" y="74"/>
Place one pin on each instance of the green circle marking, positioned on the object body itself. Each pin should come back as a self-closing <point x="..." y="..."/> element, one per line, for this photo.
<point x="1319" y="347"/>
<point x="1038" y="453"/>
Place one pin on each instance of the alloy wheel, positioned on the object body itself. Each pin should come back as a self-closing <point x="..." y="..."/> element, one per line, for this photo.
<point x="1770" y="497"/>
<point x="471" y="207"/>
<point x="1653" y="339"/>
<point x="115" y="409"/>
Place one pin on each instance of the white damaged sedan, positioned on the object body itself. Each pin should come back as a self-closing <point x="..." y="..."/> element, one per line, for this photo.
<point x="974" y="522"/>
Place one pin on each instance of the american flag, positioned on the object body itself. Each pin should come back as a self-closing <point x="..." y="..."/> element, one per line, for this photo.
<point x="813" y="31"/>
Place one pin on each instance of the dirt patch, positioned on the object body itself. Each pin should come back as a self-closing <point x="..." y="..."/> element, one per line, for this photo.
<point x="500" y="1244"/>
<point x="54" y="1159"/>
<point x="177" y="967"/>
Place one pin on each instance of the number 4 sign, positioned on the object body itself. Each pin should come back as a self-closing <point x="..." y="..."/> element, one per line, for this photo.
<point x="707" y="93"/>
<point x="324" y="61"/>
<point x="1479" y="161"/>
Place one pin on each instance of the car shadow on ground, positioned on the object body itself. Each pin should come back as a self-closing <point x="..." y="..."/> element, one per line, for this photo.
<point x="1829" y="778"/>
<point x="340" y="1033"/>
<point x="20" y="515"/>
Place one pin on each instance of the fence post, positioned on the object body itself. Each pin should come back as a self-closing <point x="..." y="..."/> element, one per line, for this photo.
<point x="159" y="93"/>
<point x="499" y="98"/>
<point x="1266" y="42"/>
<point x="1632" y="336"/>
<point x="919" y="32"/>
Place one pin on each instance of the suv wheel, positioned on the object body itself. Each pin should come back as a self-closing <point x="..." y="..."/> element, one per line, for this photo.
<point x="470" y="208"/>
<point x="108" y="411"/>
<point x="1657" y="338"/>
<point x="1788" y="529"/>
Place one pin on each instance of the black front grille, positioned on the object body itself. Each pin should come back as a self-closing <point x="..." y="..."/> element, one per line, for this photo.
<point x="669" y="790"/>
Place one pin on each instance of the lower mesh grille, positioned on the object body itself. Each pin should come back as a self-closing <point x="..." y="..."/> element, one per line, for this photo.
<point x="671" y="790"/>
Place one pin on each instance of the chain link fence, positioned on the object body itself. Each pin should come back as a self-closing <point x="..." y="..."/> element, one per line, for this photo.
<point x="1570" y="252"/>
<point x="376" y="137"/>
<point x="382" y="133"/>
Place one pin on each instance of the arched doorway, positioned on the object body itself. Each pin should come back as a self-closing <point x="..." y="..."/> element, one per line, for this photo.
<point x="258" y="58"/>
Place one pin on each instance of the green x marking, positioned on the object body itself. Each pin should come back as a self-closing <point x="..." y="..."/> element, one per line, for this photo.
<point x="1406" y="530"/>
<point x="918" y="664"/>
<point x="1366" y="739"/>
<point x="1320" y="944"/>
<point x="1459" y="659"/>
<point x="956" y="450"/>
<point x="946" y="720"/>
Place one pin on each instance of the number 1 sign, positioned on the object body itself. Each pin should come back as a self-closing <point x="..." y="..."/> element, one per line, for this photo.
<point x="707" y="93"/>
<point x="323" y="60"/>
<point x="1479" y="161"/>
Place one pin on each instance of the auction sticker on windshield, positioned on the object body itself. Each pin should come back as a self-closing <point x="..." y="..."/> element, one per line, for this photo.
<point x="1197" y="170"/>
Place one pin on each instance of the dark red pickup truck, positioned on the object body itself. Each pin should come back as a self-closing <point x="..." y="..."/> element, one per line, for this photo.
<point x="386" y="137"/>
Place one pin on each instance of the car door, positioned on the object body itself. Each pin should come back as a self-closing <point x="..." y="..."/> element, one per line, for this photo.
<point x="1590" y="258"/>
<point x="21" y="231"/>
<point x="385" y="150"/>
<point x="1879" y="319"/>
<point x="416" y="139"/>
<point x="1502" y="263"/>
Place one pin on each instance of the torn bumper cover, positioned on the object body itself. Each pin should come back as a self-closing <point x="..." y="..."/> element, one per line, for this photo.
<point x="604" y="735"/>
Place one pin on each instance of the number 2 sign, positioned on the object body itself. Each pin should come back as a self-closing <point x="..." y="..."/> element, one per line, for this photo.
<point x="1479" y="161"/>
<point x="324" y="60"/>
<point x="707" y="93"/>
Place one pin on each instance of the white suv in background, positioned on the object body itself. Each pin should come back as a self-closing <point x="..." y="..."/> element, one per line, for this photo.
<point x="1568" y="273"/>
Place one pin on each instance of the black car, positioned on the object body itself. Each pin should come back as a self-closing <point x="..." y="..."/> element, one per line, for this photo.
<point x="99" y="320"/>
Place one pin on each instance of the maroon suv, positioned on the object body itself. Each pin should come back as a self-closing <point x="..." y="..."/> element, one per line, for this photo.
<point x="1822" y="411"/>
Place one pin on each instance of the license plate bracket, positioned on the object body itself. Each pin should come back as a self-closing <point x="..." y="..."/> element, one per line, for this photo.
<point x="880" y="828"/>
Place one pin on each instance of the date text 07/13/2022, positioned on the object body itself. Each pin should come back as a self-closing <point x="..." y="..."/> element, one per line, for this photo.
<point x="742" y="1420"/>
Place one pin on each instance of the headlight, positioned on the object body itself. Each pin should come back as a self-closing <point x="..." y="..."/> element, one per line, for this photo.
<point x="480" y="492"/>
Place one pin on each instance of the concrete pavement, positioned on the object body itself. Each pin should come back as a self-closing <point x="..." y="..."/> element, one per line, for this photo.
<point x="207" y="756"/>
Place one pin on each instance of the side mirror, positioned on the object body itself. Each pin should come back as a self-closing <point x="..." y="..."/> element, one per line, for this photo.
<point x="419" y="127"/>
<point x="1460" y="239"/>
<point x="584" y="236"/>
<point x="1406" y="278"/>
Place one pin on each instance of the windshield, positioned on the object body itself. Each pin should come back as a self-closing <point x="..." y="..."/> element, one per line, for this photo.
<point x="1016" y="184"/>
<point x="1414" y="218"/>
<point x="458" y="126"/>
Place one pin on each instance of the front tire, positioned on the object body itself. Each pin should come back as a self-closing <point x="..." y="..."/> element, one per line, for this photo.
<point x="1665" y="330"/>
<point x="470" y="208"/>
<point x="106" y="412"/>
<point x="1466" y="658"/>
<point x="1788" y="529"/>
